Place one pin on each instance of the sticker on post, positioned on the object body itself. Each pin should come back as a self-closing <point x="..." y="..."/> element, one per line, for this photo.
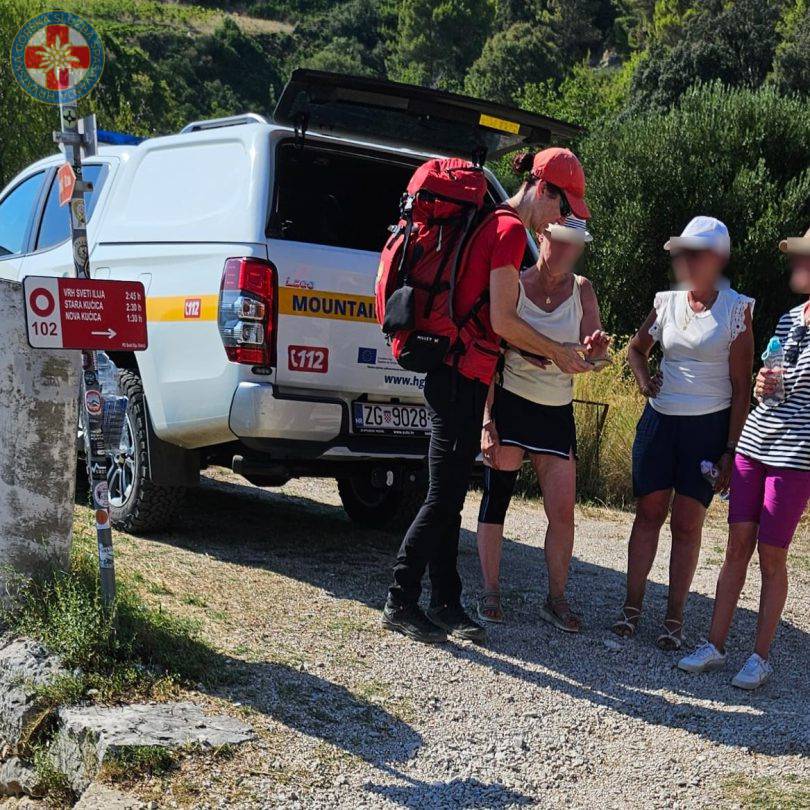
<point x="77" y="209"/>
<point x="101" y="495"/>
<point x="93" y="403"/>
<point x="66" y="178"/>
<point x="80" y="250"/>
<point x="105" y="556"/>
<point x="102" y="519"/>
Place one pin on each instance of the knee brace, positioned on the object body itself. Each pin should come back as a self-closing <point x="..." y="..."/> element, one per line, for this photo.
<point x="498" y="488"/>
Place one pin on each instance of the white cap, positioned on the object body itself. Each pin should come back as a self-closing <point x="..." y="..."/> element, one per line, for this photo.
<point x="702" y="233"/>
<point x="575" y="230"/>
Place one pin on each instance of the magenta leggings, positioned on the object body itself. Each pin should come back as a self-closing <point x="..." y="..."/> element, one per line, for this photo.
<point x="773" y="497"/>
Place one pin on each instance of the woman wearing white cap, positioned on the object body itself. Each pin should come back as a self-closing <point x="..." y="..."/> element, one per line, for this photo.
<point x="697" y="407"/>
<point x="530" y="410"/>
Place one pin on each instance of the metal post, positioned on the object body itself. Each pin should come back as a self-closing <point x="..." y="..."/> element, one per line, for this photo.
<point x="97" y="459"/>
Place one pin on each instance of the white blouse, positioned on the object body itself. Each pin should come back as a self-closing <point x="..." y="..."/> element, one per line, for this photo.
<point x="696" y="346"/>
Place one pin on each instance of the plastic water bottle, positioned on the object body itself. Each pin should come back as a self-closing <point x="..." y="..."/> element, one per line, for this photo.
<point x="115" y="403"/>
<point x="107" y="373"/>
<point x="710" y="472"/>
<point x="774" y="358"/>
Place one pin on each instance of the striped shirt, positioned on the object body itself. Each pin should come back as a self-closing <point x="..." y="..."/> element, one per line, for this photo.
<point x="780" y="435"/>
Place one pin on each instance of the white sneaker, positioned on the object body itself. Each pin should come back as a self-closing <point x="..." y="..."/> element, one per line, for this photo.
<point x="754" y="673"/>
<point x="705" y="658"/>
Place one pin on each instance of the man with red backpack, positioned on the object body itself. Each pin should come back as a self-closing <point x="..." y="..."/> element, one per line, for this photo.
<point x="447" y="290"/>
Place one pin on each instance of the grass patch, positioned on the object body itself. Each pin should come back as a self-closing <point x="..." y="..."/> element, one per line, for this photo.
<point x="788" y="792"/>
<point x="51" y="780"/>
<point x="134" y="652"/>
<point x="137" y="762"/>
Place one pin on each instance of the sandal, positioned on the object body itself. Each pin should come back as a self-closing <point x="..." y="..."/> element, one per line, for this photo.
<point x="672" y="637"/>
<point x="558" y="612"/>
<point x="626" y="626"/>
<point x="489" y="607"/>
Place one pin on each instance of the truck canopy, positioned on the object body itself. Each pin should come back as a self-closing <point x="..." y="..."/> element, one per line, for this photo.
<point x="426" y="120"/>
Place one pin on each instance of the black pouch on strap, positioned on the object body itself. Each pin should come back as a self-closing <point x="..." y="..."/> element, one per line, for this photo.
<point x="400" y="311"/>
<point x="423" y="352"/>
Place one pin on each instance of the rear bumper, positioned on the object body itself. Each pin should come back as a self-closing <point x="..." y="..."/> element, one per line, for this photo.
<point x="297" y="426"/>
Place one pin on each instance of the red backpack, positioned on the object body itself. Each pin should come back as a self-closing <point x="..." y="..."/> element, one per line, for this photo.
<point x="422" y="265"/>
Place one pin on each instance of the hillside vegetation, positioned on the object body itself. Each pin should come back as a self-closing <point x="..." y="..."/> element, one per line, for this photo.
<point x="690" y="106"/>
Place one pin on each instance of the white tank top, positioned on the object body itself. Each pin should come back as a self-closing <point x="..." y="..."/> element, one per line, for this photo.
<point x="546" y="386"/>
<point x="696" y="348"/>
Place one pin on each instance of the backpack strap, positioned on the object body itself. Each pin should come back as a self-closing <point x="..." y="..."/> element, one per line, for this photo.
<point x="407" y="214"/>
<point x="501" y="210"/>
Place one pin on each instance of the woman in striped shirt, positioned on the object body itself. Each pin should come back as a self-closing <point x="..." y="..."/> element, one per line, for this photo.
<point x="770" y="488"/>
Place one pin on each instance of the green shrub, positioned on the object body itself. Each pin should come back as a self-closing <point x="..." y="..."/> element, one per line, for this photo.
<point x="740" y="155"/>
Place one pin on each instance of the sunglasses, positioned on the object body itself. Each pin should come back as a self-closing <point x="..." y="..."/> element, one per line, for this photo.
<point x="798" y="333"/>
<point x="556" y="191"/>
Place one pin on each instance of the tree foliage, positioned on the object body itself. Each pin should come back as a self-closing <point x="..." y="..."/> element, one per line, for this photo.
<point x="438" y="40"/>
<point x="738" y="154"/>
<point x="521" y="54"/>
<point x="733" y="42"/>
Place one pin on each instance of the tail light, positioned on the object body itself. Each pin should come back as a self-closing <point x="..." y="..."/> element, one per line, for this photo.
<point x="247" y="306"/>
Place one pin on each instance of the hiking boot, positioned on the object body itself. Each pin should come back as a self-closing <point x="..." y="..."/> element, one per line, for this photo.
<point x="456" y="622"/>
<point x="411" y="621"/>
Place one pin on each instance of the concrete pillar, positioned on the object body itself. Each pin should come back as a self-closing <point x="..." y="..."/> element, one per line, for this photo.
<point x="39" y="391"/>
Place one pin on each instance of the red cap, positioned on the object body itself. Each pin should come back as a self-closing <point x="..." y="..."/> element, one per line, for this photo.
<point x="561" y="168"/>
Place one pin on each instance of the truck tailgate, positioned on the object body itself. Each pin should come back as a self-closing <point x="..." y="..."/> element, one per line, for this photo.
<point x="328" y="335"/>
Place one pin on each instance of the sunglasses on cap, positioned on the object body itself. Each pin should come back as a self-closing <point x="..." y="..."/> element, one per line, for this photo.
<point x="556" y="191"/>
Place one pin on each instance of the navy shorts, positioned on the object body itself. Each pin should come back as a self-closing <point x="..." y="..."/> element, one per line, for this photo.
<point x="668" y="450"/>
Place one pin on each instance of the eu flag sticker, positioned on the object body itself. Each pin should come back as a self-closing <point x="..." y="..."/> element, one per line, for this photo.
<point x="367" y="356"/>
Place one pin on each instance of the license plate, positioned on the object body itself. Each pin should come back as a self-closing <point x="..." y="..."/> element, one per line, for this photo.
<point x="384" y="417"/>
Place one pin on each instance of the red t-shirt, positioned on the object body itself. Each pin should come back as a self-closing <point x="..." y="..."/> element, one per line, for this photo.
<point x="499" y="242"/>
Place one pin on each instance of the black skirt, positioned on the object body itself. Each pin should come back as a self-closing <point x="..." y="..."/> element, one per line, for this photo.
<point x="544" y="429"/>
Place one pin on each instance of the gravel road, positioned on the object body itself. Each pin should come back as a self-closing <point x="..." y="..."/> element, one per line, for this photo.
<point x="351" y="716"/>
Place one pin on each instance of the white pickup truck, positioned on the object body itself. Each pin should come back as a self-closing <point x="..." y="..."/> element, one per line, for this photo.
<point x="257" y="243"/>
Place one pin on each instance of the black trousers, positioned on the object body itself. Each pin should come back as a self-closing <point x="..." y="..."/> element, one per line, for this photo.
<point x="456" y="404"/>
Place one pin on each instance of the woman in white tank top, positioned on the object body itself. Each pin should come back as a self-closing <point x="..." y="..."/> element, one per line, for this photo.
<point x="530" y="410"/>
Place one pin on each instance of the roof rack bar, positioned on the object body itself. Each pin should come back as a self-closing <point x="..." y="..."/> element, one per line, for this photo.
<point x="228" y="121"/>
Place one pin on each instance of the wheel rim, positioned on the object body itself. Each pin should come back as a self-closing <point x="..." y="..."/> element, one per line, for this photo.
<point x="370" y="496"/>
<point x="122" y="468"/>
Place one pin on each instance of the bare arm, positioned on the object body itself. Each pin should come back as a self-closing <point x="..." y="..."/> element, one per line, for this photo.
<point x="638" y="358"/>
<point x="590" y="327"/>
<point x="740" y="367"/>
<point x="503" y="293"/>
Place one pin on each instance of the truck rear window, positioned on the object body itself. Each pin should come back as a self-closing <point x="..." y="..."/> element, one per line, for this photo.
<point x="338" y="198"/>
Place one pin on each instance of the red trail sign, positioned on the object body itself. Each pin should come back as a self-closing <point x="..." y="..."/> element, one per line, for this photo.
<point x="77" y="313"/>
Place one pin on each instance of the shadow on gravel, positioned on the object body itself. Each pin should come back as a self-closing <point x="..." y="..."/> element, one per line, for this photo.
<point x="315" y="543"/>
<point x="458" y="793"/>
<point x="325" y="710"/>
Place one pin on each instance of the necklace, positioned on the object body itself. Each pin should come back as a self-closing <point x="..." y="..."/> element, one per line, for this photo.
<point x="690" y="314"/>
<point x="548" y="299"/>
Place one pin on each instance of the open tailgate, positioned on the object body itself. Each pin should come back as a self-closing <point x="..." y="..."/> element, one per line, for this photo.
<point x="431" y="121"/>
